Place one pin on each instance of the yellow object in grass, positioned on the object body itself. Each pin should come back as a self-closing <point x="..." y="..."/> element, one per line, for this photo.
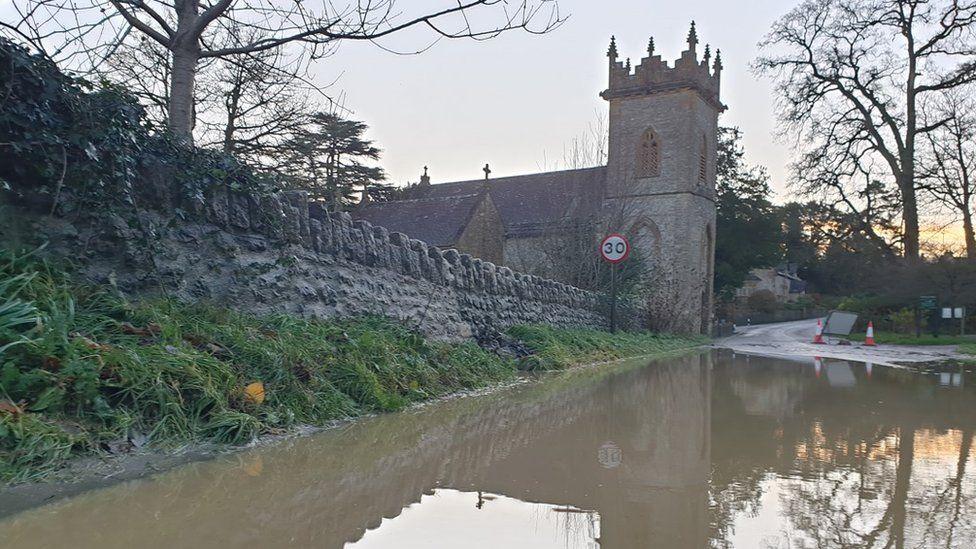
<point x="254" y="392"/>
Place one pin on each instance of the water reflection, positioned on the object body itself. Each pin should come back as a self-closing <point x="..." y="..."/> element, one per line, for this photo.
<point x="703" y="450"/>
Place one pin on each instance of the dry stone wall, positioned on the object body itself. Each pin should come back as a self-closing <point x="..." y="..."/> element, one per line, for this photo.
<point x="281" y="253"/>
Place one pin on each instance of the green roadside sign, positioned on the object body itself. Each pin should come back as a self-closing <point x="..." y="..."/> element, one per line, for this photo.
<point x="927" y="302"/>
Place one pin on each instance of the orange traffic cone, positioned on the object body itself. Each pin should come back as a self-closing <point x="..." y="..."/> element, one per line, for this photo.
<point x="818" y="337"/>
<point x="869" y="338"/>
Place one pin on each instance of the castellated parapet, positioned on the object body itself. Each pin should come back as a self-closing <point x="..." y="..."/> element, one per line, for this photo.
<point x="661" y="174"/>
<point x="653" y="74"/>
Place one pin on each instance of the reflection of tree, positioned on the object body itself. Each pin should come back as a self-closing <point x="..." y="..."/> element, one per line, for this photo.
<point x="863" y="467"/>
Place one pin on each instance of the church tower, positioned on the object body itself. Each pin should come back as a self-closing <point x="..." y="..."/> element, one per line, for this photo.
<point x="660" y="187"/>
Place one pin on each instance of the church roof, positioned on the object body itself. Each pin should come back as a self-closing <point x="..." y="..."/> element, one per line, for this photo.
<point x="437" y="220"/>
<point x="530" y="204"/>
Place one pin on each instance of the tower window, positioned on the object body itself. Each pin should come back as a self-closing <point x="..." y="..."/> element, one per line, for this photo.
<point x="648" y="155"/>
<point x="703" y="162"/>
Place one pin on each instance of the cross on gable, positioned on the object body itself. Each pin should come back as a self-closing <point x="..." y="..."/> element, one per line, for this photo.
<point x="487" y="170"/>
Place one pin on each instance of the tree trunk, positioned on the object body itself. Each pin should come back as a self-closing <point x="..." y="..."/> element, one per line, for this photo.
<point x="185" y="58"/>
<point x="903" y="476"/>
<point x="967" y="229"/>
<point x="231" y="127"/>
<point x="910" y="216"/>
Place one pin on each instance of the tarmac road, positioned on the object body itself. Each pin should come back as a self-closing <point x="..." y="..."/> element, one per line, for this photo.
<point x="795" y="339"/>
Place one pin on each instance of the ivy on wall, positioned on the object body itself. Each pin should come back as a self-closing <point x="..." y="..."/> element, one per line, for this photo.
<point x="66" y="137"/>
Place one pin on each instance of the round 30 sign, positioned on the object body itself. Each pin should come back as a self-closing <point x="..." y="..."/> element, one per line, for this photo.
<point x="615" y="248"/>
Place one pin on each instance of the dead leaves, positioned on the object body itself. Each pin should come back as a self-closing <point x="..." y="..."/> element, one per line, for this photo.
<point x="254" y="393"/>
<point x="9" y="407"/>
<point x="151" y="329"/>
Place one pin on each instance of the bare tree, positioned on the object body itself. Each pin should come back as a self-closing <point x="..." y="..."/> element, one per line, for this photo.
<point x="852" y="76"/>
<point x="246" y="105"/>
<point x="589" y="148"/>
<point x="143" y="68"/>
<point x="90" y="31"/>
<point x="949" y="161"/>
<point x="263" y="100"/>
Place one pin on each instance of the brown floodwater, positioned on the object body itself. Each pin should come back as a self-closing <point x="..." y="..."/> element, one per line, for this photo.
<point x="705" y="450"/>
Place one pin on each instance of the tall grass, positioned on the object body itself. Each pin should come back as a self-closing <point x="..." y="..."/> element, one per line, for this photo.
<point x="555" y="348"/>
<point x="91" y="371"/>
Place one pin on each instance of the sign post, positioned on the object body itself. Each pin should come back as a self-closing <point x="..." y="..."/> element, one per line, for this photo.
<point x="927" y="304"/>
<point x="614" y="249"/>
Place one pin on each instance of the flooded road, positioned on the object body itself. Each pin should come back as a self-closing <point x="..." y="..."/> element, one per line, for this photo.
<point x="709" y="450"/>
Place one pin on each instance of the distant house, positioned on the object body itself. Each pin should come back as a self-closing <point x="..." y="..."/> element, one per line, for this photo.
<point x="782" y="281"/>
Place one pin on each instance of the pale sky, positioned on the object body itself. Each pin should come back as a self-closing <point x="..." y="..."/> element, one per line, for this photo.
<point x="519" y="99"/>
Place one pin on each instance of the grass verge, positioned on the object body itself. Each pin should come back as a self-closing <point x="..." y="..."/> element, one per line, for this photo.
<point x="555" y="348"/>
<point x="83" y="371"/>
<point x="894" y="338"/>
<point x="968" y="349"/>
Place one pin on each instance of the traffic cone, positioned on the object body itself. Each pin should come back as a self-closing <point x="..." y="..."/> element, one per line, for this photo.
<point x="818" y="337"/>
<point x="869" y="338"/>
<point x="817" y="365"/>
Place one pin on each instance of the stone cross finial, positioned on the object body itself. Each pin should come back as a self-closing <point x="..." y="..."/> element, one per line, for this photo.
<point x="718" y="61"/>
<point x="627" y="65"/>
<point x="692" y="37"/>
<point x="487" y="170"/>
<point x="650" y="46"/>
<point x="612" y="52"/>
<point x="425" y="179"/>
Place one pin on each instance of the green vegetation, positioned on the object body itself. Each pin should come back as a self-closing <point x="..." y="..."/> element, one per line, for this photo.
<point x="555" y="348"/>
<point x="83" y="371"/>
<point x="968" y="348"/>
<point x="894" y="338"/>
<point x="94" y="143"/>
<point x="86" y="370"/>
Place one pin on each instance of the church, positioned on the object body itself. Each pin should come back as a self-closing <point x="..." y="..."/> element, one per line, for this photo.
<point x="657" y="188"/>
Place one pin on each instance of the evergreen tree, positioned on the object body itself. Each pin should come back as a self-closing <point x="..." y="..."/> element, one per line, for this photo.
<point x="748" y="229"/>
<point x="329" y="158"/>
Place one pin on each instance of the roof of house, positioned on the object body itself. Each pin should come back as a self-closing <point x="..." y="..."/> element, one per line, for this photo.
<point x="528" y="204"/>
<point x="439" y="221"/>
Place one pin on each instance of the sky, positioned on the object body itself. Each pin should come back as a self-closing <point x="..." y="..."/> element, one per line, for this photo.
<point x="517" y="101"/>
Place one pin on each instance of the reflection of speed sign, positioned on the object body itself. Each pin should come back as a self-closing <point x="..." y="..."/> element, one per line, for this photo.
<point x="615" y="248"/>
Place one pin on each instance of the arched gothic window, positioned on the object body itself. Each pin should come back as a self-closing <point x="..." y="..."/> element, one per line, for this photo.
<point x="648" y="155"/>
<point x="703" y="162"/>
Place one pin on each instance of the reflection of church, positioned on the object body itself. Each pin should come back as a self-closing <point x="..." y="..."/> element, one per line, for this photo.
<point x="658" y="420"/>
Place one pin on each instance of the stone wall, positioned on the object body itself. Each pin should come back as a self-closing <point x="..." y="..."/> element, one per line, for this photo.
<point x="282" y="254"/>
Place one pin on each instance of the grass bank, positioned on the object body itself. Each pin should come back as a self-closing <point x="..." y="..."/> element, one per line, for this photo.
<point x="894" y="338"/>
<point x="83" y="371"/>
<point x="555" y="348"/>
<point x="969" y="349"/>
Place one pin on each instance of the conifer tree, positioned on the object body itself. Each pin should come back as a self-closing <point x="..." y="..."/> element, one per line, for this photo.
<point x="331" y="159"/>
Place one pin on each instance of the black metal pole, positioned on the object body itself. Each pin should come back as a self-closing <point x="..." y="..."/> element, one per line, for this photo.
<point x="613" y="298"/>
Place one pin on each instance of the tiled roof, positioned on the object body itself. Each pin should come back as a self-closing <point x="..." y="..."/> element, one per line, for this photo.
<point x="438" y="221"/>
<point x="528" y="204"/>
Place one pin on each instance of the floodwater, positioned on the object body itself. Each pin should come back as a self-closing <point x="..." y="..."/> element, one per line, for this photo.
<point x="705" y="450"/>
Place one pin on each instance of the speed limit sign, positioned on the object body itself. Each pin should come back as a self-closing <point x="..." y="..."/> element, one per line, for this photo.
<point x="615" y="248"/>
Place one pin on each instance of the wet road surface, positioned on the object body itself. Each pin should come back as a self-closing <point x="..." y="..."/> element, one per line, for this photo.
<point x="796" y="339"/>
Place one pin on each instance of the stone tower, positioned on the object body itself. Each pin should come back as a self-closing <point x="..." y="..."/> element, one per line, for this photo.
<point x="660" y="188"/>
